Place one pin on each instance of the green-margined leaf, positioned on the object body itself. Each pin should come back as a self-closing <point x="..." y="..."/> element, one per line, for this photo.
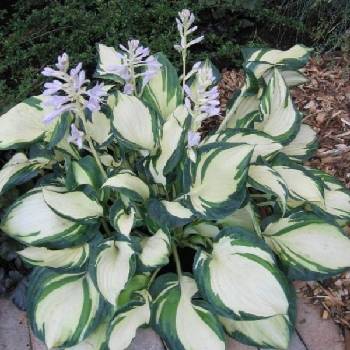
<point x="85" y="171"/>
<point x="337" y="203"/>
<point x="281" y="120"/>
<point x="59" y="131"/>
<point x="265" y="179"/>
<point x="272" y="332"/>
<point x="246" y="217"/>
<point x="63" y="309"/>
<point x="68" y="258"/>
<point x="228" y="277"/>
<point x="135" y="125"/>
<point x="258" y="61"/>
<point x="163" y="92"/>
<point x="23" y="124"/>
<point x="76" y="205"/>
<point x="291" y="77"/>
<point x="99" y="128"/>
<point x="18" y="170"/>
<point x="31" y="221"/>
<point x="205" y="229"/>
<point x="107" y="58"/>
<point x="115" y="264"/>
<point x="240" y="113"/>
<point x="155" y="250"/>
<point x="127" y="320"/>
<point x="308" y="246"/>
<point x="97" y="340"/>
<point x="264" y="145"/>
<point x="121" y="219"/>
<point x="208" y="67"/>
<point x="304" y="144"/>
<point x="184" y="323"/>
<point x="172" y="144"/>
<point x="127" y="183"/>
<point x="169" y="214"/>
<point x="302" y="185"/>
<point x="219" y="179"/>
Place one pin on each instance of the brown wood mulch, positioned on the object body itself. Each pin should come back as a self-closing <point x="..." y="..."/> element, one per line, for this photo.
<point x="325" y="103"/>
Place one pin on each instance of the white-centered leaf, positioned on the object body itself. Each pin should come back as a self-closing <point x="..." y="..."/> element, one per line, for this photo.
<point x="280" y="118"/>
<point x="218" y="182"/>
<point x="63" y="309"/>
<point x="163" y="92"/>
<point x="129" y="184"/>
<point x="99" y="128"/>
<point x="68" y="258"/>
<point x="304" y="144"/>
<point x="291" y="77"/>
<point x="115" y="264"/>
<point x="182" y="322"/>
<point x="265" y="179"/>
<point x="135" y="125"/>
<point x="309" y="246"/>
<point x="272" y="332"/>
<point x="108" y="58"/>
<point x="76" y="205"/>
<point x="155" y="250"/>
<point x="228" y="277"/>
<point x="31" y="221"/>
<point x="127" y="320"/>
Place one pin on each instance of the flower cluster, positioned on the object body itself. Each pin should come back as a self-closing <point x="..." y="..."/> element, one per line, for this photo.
<point x="135" y="62"/>
<point x="203" y="100"/>
<point x="67" y="92"/>
<point x="184" y="23"/>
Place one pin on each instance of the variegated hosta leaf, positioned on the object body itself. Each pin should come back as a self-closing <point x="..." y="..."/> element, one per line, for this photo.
<point x="272" y="332"/>
<point x="264" y="145"/>
<point x="240" y="114"/>
<point x="228" y="277"/>
<point x="182" y="322"/>
<point x="18" y="170"/>
<point x="97" y="340"/>
<point x="23" y="124"/>
<point x="31" y="221"/>
<point x="131" y="291"/>
<point x="219" y="179"/>
<point x="205" y="229"/>
<point x="308" y="246"/>
<point x="280" y="118"/>
<point x="258" y="61"/>
<point x="169" y="214"/>
<point x="246" y="217"/>
<point x="172" y="144"/>
<point x="291" y="77"/>
<point x="135" y="125"/>
<point x="302" y="186"/>
<point x="127" y="183"/>
<point x="115" y="264"/>
<point x="127" y="320"/>
<point x="304" y="144"/>
<point x="76" y="205"/>
<point x="107" y="58"/>
<point x="85" y="171"/>
<point x="122" y="220"/>
<point x="163" y="92"/>
<point x="265" y="179"/>
<point x="337" y="203"/>
<point x="69" y="258"/>
<point x="193" y="79"/>
<point x="99" y="128"/>
<point x="155" y="250"/>
<point x="63" y="309"/>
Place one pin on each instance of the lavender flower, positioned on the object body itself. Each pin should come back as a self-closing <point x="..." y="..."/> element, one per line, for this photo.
<point x="193" y="138"/>
<point x="184" y="23"/>
<point x="201" y="99"/>
<point x="135" y="62"/>
<point x="68" y="92"/>
<point x="76" y="136"/>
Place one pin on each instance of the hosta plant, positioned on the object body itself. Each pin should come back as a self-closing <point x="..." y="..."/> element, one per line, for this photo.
<point x="138" y="221"/>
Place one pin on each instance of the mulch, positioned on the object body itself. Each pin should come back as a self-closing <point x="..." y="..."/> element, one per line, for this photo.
<point x="325" y="103"/>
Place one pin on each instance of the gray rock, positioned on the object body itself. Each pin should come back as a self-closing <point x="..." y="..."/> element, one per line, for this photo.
<point x="146" y="339"/>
